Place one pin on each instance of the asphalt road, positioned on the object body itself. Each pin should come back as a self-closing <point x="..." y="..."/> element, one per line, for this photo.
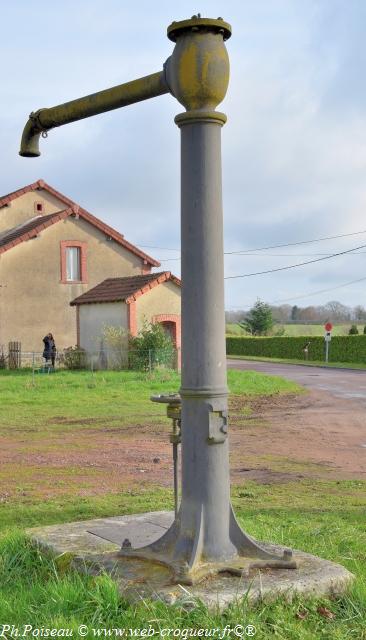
<point x="341" y="383"/>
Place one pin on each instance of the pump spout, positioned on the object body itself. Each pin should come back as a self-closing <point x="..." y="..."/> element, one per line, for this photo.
<point x="120" y="96"/>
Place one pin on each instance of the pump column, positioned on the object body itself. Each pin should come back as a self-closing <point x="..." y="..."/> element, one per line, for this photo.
<point x="205" y="459"/>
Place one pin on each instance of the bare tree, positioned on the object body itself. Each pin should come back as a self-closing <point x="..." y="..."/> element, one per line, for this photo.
<point x="308" y="314"/>
<point x="359" y="313"/>
<point x="337" y="311"/>
<point x="281" y="313"/>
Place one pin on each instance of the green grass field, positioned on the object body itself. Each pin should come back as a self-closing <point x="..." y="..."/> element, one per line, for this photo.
<point x="324" y="518"/>
<point x="299" y="329"/>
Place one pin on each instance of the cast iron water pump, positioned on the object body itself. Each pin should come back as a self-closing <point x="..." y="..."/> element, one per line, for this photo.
<point x="205" y="537"/>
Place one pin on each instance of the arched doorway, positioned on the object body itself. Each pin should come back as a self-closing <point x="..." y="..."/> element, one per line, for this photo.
<point x="171" y="324"/>
<point x="170" y="330"/>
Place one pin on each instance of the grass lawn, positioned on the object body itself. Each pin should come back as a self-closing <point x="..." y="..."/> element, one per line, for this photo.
<point x="46" y="402"/>
<point x="324" y="518"/>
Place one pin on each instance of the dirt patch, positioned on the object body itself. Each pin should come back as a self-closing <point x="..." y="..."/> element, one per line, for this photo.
<point x="266" y="476"/>
<point x="272" y="440"/>
<point x="315" y="434"/>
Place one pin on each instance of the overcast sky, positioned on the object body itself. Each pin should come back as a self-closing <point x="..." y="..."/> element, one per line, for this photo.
<point x="294" y="147"/>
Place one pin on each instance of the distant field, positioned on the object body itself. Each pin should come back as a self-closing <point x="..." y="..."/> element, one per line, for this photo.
<point x="299" y="329"/>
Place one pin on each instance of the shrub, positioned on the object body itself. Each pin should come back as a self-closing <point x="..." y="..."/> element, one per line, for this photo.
<point x="74" y="358"/>
<point x="116" y="340"/>
<point x="341" y="349"/>
<point x="353" y="330"/>
<point x="150" y="348"/>
<point x="364" y="329"/>
<point x="279" y="330"/>
<point x="3" y="359"/>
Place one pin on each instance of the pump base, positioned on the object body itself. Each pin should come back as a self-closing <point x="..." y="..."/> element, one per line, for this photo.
<point x="93" y="546"/>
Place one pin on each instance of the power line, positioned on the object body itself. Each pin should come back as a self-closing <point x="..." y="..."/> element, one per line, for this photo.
<point x="293" y="266"/>
<point x="314" y="293"/>
<point x="307" y="295"/>
<point x="148" y="246"/>
<point x="298" y="255"/>
<point x="294" y="255"/>
<point x="273" y="255"/>
<point x="169" y="259"/>
<point x="294" y="244"/>
<point x="274" y="246"/>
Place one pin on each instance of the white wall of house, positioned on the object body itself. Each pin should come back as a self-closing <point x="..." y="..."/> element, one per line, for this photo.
<point x="93" y="318"/>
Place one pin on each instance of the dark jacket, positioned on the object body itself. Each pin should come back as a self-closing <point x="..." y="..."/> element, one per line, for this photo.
<point x="49" y="347"/>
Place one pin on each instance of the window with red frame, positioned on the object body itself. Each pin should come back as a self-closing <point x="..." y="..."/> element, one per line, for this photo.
<point x="73" y="264"/>
<point x="73" y="261"/>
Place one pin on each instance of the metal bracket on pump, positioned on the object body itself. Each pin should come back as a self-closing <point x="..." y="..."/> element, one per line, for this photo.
<point x="217" y="427"/>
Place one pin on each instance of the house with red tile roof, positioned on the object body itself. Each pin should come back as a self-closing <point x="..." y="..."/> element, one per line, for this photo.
<point x="52" y="251"/>
<point x="129" y="303"/>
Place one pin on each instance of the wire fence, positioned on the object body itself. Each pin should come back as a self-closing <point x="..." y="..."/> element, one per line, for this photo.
<point x="102" y="360"/>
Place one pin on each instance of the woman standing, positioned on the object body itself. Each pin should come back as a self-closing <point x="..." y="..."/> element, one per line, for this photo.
<point x="49" y="352"/>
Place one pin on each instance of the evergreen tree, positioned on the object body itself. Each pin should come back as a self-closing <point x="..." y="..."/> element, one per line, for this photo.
<point x="259" y="320"/>
<point x="294" y="313"/>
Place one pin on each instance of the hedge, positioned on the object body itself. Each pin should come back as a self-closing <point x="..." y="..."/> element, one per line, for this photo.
<point x="341" y="348"/>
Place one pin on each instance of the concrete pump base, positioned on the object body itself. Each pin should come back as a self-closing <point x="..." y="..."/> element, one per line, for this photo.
<point x="92" y="546"/>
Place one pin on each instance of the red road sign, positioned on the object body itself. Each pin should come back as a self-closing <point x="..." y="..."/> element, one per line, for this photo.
<point x="328" y="326"/>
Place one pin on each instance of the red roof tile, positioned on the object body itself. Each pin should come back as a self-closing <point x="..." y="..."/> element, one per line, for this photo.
<point x="30" y="229"/>
<point x="83" y="213"/>
<point x="124" y="289"/>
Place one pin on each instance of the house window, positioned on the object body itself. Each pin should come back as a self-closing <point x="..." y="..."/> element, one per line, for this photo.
<point x="73" y="270"/>
<point x="73" y="261"/>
